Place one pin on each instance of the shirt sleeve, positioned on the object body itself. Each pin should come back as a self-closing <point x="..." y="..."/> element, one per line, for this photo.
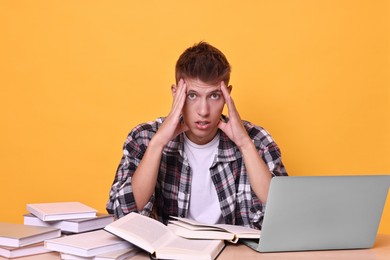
<point x="271" y="155"/>
<point x="121" y="198"/>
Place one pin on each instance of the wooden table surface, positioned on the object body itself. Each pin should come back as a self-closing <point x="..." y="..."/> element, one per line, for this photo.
<point x="380" y="251"/>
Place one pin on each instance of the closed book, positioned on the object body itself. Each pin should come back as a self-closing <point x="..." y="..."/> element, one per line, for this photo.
<point x="72" y="225"/>
<point x="115" y="255"/>
<point x="87" y="244"/>
<point x="44" y="256"/>
<point x="17" y="235"/>
<point x="61" y="210"/>
<point x="157" y="239"/>
<point x="13" y="252"/>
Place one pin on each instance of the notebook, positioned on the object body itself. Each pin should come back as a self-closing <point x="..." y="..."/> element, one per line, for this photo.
<point x="322" y="213"/>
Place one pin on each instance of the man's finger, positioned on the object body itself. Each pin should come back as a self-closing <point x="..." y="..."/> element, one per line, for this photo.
<point x="228" y="100"/>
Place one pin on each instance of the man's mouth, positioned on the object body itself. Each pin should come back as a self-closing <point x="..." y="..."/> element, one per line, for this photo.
<point x="202" y="124"/>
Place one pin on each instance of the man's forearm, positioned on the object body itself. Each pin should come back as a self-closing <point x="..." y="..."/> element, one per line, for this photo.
<point x="145" y="177"/>
<point x="257" y="170"/>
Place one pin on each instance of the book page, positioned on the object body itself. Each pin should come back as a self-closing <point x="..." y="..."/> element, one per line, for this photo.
<point x="194" y="227"/>
<point x="200" y="234"/>
<point x="142" y="231"/>
<point x="246" y="232"/>
<point x="181" y="248"/>
<point x="239" y="231"/>
<point x="192" y="222"/>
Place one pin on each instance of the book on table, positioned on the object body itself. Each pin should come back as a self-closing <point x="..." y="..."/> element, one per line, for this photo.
<point x="14" y="252"/>
<point x="158" y="240"/>
<point x="72" y="225"/>
<point x="88" y="244"/>
<point x="61" y="210"/>
<point x="44" y="256"/>
<point x="189" y="228"/>
<point x="114" y="255"/>
<point x="17" y="235"/>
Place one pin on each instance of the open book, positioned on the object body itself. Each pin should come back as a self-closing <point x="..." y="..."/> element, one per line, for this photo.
<point x="157" y="239"/>
<point x="189" y="228"/>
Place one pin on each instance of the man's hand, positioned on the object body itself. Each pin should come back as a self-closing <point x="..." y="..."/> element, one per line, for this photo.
<point x="258" y="172"/>
<point x="172" y="125"/>
<point x="145" y="177"/>
<point x="234" y="128"/>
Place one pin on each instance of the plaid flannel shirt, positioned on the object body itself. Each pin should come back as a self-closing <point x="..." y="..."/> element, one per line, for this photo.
<point x="238" y="202"/>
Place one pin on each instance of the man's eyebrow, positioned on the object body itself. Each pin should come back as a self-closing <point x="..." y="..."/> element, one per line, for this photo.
<point x="208" y="93"/>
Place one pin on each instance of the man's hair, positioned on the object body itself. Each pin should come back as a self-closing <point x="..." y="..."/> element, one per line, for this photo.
<point x="204" y="62"/>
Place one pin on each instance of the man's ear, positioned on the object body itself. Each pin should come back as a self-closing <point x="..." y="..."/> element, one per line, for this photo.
<point x="173" y="89"/>
<point x="230" y="88"/>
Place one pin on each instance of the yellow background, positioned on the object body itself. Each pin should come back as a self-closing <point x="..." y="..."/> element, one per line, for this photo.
<point x="76" y="76"/>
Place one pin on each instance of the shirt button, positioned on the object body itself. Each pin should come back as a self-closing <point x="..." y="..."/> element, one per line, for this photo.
<point x="188" y="168"/>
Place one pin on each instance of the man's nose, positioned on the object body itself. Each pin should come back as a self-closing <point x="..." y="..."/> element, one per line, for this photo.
<point x="203" y="108"/>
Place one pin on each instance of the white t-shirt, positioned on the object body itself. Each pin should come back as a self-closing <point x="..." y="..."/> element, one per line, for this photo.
<point x="204" y="204"/>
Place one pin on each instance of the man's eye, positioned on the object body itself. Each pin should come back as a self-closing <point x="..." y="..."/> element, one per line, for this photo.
<point x="215" y="96"/>
<point x="191" y="96"/>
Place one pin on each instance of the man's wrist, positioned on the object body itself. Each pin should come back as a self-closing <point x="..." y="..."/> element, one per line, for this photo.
<point x="246" y="144"/>
<point x="156" y="143"/>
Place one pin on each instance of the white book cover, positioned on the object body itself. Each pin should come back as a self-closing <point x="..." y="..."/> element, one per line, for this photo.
<point x="13" y="252"/>
<point x="17" y="235"/>
<point x="71" y="225"/>
<point x="115" y="255"/>
<point x="61" y="210"/>
<point x="44" y="256"/>
<point x="87" y="244"/>
<point x="119" y="255"/>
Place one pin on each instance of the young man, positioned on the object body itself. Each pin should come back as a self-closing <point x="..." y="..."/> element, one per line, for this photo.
<point x="196" y="162"/>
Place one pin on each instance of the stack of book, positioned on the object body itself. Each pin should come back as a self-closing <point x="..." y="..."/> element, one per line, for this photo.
<point x="82" y="231"/>
<point x="17" y="240"/>
<point x="77" y="232"/>
<point x="58" y="220"/>
<point x="98" y="244"/>
<point x="181" y="239"/>
<point x="70" y="217"/>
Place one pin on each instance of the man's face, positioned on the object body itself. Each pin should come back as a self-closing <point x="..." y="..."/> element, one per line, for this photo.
<point x="202" y="110"/>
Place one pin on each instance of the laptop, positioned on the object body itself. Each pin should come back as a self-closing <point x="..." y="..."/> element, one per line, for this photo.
<point x="322" y="213"/>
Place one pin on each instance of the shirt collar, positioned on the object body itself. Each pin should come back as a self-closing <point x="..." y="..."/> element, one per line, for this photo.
<point x="227" y="150"/>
